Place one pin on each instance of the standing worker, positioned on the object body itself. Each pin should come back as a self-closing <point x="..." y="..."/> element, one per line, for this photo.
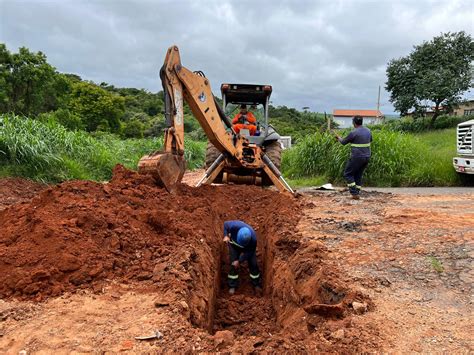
<point x="360" y="139"/>
<point x="242" y="242"/>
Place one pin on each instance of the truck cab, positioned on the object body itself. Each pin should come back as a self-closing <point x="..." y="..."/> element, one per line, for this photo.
<point x="464" y="162"/>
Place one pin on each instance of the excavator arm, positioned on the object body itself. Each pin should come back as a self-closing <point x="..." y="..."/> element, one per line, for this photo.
<point x="180" y="83"/>
<point x="168" y="166"/>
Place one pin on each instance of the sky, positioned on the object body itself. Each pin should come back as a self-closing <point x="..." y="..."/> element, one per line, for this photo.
<point x="318" y="54"/>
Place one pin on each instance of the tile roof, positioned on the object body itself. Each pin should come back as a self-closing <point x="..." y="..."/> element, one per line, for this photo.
<point x="352" y="113"/>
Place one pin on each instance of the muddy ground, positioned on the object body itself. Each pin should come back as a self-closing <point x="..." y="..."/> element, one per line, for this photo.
<point x="87" y="268"/>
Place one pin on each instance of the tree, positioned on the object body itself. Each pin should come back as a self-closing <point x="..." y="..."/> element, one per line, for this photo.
<point x="99" y="108"/>
<point x="28" y="84"/>
<point x="133" y="129"/>
<point x="435" y="73"/>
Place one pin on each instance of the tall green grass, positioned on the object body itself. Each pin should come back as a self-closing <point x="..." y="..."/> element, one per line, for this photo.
<point x="47" y="151"/>
<point x="398" y="159"/>
<point x="435" y="168"/>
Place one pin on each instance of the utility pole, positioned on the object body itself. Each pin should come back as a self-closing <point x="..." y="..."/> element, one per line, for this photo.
<point x="378" y="101"/>
<point x="378" y="105"/>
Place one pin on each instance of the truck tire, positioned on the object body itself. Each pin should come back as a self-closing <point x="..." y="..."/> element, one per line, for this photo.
<point x="273" y="151"/>
<point x="211" y="154"/>
<point x="466" y="179"/>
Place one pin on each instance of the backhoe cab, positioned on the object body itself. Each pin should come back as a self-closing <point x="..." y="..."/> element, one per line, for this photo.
<point x="231" y="157"/>
<point x="257" y="99"/>
<point x="253" y="96"/>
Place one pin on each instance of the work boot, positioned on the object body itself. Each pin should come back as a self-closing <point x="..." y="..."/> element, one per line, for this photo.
<point x="353" y="190"/>
<point x="231" y="291"/>
<point x="355" y="197"/>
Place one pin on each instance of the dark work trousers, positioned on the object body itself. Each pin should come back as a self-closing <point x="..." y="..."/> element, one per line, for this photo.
<point x="353" y="173"/>
<point x="233" y="276"/>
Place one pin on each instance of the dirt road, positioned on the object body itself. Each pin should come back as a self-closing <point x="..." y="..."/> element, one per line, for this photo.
<point x="390" y="272"/>
<point x="410" y="190"/>
<point x="413" y="254"/>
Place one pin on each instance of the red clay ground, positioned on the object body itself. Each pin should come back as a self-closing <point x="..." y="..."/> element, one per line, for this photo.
<point x="148" y="260"/>
<point x="413" y="255"/>
<point x="86" y="267"/>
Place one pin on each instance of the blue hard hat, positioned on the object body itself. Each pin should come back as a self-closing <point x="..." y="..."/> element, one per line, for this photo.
<point x="243" y="236"/>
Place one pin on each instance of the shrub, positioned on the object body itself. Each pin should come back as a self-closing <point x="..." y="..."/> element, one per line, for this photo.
<point x="409" y="124"/>
<point x="133" y="129"/>
<point x="64" y="117"/>
<point x="398" y="159"/>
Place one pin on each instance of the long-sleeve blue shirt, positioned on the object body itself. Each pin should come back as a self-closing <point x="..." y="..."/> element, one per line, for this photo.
<point x="360" y="138"/>
<point x="232" y="228"/>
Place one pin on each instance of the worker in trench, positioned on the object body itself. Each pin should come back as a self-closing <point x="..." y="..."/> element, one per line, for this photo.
<point x="244" y="120"/>
<point x="360" y="138"/>
<point x="242" y="242"/>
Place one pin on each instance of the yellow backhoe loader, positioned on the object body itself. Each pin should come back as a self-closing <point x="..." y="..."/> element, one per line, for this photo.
<point x="239" y="158"/>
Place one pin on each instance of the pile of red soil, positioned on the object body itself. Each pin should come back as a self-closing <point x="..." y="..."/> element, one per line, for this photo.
<point x="17" y="190"/>
<point x="80" y="232"/>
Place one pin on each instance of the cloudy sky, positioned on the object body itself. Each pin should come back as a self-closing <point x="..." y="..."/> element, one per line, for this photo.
<point x="321" y="54"/>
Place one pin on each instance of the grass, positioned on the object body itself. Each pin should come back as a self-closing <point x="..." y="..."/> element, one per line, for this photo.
<point x="398" y="159"/>
<point x="48" y="152"/>
<point x="436" y="264"/>
<point x="435" y="166"/>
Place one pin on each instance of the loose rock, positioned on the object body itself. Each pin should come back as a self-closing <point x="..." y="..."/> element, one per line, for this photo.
<point x="338" y="334"/>
<point x="359" y="307"/>
<point x="224" y="338"/>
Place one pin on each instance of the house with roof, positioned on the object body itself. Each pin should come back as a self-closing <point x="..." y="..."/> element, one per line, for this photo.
<point x="464" y="108"/>
<point x="344" y="117"/>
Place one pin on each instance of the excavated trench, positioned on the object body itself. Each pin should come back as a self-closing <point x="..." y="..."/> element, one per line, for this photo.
<point x="245" y="312"/>
<point x="81" y="234"/>
<point x="299" y="291"/>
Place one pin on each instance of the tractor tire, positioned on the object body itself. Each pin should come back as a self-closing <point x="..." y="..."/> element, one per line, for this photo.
<point x="273" y="151"/>
<point x="212" y="153"/>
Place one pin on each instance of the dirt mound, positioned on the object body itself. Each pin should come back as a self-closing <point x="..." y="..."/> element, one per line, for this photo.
<point x="85" y="235"/>
<point x="17" y="190"/>
<point x="78" y="233"/>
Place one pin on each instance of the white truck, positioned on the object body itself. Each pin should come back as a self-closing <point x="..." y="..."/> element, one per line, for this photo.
<point x="464" y="162"/>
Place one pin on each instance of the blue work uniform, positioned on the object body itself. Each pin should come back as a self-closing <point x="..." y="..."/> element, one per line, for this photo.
<point x="360" y="139"/>
<point x="241" y="253"/>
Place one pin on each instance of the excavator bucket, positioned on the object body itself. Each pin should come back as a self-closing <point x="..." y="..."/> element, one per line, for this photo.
<point x="166" y="168"/>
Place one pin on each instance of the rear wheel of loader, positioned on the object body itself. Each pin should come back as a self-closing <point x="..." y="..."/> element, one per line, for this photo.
<point x="212" y="153"/>
<point x="273" y="151"/>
